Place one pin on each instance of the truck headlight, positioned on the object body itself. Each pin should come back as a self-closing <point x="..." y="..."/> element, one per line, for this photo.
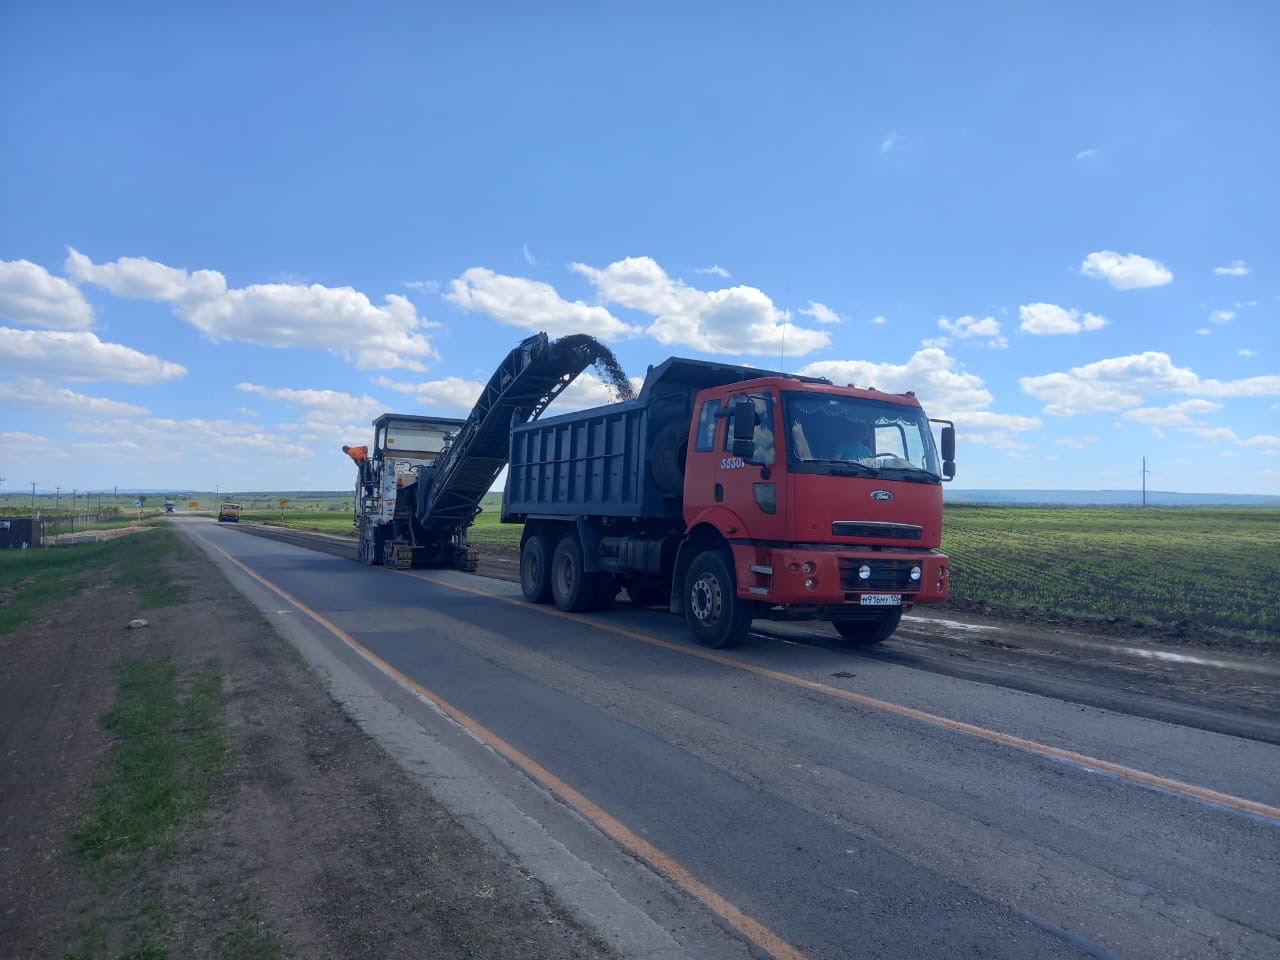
<point x="915" y="573"/>
<point x="864" y="572"/>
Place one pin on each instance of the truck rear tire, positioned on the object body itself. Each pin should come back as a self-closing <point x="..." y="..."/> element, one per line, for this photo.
<point x="717" y="617"/>
<point x="535" y="569"/>
<point x="863" y="633"/>
<point x="572" y="588"/>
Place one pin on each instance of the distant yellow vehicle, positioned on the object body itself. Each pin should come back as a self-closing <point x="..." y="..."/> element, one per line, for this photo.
<point x="229" y="512"/>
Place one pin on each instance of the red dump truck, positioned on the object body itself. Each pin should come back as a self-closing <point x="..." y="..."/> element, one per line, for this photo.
<point x="729" y="494"/>
<point x="726" y="493"/>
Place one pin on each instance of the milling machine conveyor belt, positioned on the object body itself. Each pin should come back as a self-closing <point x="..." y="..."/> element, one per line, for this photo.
<point x="531" y="376"/>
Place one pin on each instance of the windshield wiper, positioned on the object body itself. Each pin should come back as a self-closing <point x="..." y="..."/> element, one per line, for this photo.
<point x="849" y="468"/>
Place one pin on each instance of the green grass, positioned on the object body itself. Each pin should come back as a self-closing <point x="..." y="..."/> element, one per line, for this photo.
<point x="161" y="766"/>
<point x="31" y="579"/>
<point x="1217" y="566"/>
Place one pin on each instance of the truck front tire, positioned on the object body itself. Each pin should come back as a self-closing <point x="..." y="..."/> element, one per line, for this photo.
<point x="572" y="588"/>
<point x="716" y="616"/>
<point x="863" y="633"/>
<point x="535" y="569"/>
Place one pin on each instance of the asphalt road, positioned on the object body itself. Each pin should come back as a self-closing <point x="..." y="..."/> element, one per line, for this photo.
<point x="788" y="798"/>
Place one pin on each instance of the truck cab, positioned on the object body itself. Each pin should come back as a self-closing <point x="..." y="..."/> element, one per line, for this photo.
<point x="229" y="512"/>
<point x="828" y="498"/>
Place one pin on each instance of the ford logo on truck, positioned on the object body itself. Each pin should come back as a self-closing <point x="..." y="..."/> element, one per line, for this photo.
<point x="884" y="496"/>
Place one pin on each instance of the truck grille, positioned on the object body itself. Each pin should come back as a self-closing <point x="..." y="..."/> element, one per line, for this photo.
<point x="866" y="528"/>
<point x="891" y="576"/>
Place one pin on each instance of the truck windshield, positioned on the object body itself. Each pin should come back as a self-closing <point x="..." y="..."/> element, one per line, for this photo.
<point x="835" y="434"/>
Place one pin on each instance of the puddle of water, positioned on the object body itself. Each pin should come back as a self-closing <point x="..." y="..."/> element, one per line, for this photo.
<point x="952" y="624"/>
<point x="1176" y="657"/>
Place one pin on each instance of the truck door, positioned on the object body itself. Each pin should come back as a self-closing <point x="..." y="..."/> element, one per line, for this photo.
<point x="753" y="487"/>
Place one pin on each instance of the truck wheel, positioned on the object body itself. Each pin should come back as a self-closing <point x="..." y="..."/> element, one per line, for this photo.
<point x="535" y="569"/>
<point x="717" y="617"/>
<point x="572" y="588"/>
<point x="863" y="633"/>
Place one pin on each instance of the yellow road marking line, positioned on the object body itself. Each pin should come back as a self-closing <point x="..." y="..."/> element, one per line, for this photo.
<point x="973" y="730"/>
<point x="755" y="931"/>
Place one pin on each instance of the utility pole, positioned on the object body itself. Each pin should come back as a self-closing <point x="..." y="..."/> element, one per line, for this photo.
<point x="74" y="490"/>
<point x="1145" y="471"/>
<point x="58" y="503"/>
<point x="33" y="499"/>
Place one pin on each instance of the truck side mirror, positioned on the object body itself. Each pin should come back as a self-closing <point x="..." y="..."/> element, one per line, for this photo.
<point x="948" y="447"/>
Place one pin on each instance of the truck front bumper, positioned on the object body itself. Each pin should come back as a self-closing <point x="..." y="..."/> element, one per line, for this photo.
<point x="825" y="577"/>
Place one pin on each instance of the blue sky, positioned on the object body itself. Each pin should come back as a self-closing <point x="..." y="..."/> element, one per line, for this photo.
<point x="229" y="239"/>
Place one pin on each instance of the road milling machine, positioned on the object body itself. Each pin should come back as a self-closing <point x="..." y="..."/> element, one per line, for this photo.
<point x="420" y="484"/>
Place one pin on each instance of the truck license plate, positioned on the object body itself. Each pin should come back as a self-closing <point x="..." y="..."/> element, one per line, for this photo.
<point x="881" y="600"/>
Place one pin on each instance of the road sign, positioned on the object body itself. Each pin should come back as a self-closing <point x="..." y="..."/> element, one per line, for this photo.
<point x="137" y="503"/>
<point x="193" y="504"/>
<point x="284" y="503"/>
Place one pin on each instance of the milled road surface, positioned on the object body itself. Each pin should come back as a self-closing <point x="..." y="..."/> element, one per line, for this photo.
<point x="805" y="799"/>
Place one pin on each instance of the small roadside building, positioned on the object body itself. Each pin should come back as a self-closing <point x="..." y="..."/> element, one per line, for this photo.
<point x="17" y="532"/>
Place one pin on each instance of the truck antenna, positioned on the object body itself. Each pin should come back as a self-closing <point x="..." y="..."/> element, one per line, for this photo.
<point x="786" y="315"/>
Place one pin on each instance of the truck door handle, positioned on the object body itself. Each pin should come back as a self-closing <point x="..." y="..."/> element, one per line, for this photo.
<point x="719" y="493"/>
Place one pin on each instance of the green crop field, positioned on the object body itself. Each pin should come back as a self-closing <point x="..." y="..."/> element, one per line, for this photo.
<point x="1217" y="566"/>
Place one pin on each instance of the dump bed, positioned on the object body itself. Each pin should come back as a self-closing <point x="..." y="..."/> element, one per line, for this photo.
<point x="620" y="460"/>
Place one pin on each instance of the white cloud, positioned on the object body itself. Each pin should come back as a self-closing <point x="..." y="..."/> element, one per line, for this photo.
<point x="734" y="320"/>
<point x="822" y="313"/>
<point x="529" y="258"/>
<point x="423" y="286"/>
<point x="1247" y="352"/>
<point x="992" y="429"/>
<point x="878" y="320"/>
<point x="1174" y="415"/>
<point x="531" y="305"/>
<point x="1125" y="271"/>
<point x="141" y="279"/>
<point x="32" y="393"/>
<point x="450" y="394"/>
<point x="892" y="141"/>
<point x="1112" y="384"/>
<point x="1222" y="316"/>
<point x="167" y="440"/>
<point x="966" y="327"/>
<point x="1236" y="268"/>
<point x="80" y="356"/>
<point x="943" y="390"/>
<point x="322" y="409"/>
<point x="1076" y="443"/>
<point x="1087" y="154"/>
<point x="714" y="270"/>
<point x="1047" y="319"/>
<point x="338" y="319"/>
<point x="32" y="296"/>
<point x="1203" y="331"/>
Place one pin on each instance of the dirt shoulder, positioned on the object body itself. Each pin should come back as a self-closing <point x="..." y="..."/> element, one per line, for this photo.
<point x="316" y="844"/>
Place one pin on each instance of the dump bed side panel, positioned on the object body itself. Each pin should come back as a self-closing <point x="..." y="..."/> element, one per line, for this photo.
<point x="590" y="464"/>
